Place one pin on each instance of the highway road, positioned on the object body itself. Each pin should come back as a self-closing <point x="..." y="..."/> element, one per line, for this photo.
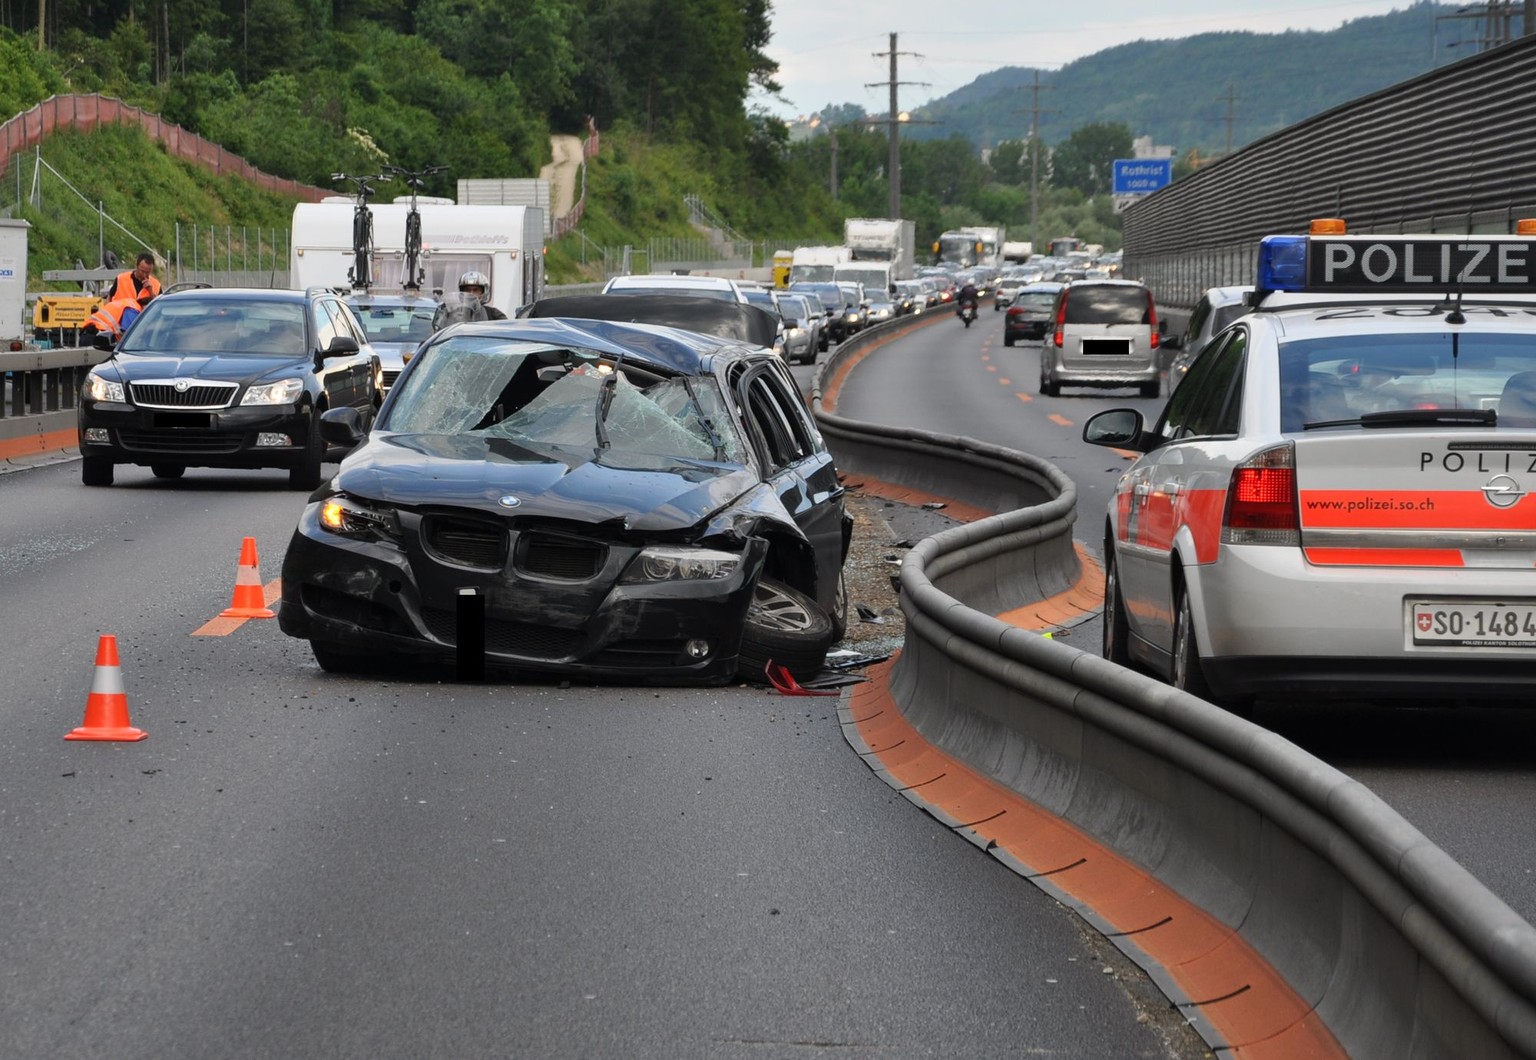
<point x="298" y="864"/>
<point x="1464" y="777"/>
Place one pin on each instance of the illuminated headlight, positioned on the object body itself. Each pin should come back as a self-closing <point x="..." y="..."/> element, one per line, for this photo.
<point x="284" y="392"/>
<point x="680" y="564"/>
<point x="343" y="515"/>
<point x="98" y="388"/>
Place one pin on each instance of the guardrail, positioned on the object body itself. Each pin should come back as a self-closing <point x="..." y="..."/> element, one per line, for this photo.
<point x="37" y="414"/>
<point x="1400" y="950"/>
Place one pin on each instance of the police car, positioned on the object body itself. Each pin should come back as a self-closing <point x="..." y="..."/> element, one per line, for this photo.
<point x="1340" y="497"/>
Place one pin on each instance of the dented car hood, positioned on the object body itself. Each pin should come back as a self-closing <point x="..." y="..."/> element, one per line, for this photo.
<point x="497" y="476"/>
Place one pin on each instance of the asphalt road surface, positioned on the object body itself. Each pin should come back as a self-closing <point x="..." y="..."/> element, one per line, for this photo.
<point x="298" y="864"/>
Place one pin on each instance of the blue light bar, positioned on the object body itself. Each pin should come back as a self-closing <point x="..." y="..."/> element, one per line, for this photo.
<point x="1282" y="263"/>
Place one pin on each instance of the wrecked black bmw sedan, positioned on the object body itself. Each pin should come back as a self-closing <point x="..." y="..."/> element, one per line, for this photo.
<point x="614" y="500"/>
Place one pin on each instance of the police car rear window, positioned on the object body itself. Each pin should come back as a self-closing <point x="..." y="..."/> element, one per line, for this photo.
<point x="1108" y="304"/>
<point x="1345" y="377"/>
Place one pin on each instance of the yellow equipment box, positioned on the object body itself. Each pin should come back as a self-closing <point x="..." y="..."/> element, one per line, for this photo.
<point x="54" y="311"/>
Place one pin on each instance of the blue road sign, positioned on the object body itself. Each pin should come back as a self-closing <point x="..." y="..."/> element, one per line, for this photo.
<point x="1141" y="176"/>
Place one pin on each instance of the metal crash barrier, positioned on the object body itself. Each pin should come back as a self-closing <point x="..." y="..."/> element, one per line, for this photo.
<point x="41" y="391"/>
<point x="1399" y="949"/>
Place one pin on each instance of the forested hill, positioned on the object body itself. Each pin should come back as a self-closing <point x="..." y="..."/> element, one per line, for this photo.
<point x="1174" y="90"/>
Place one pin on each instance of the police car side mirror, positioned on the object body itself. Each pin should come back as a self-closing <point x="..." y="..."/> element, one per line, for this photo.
<point x="1121" y="428"/>
<point x="343" y="426"/>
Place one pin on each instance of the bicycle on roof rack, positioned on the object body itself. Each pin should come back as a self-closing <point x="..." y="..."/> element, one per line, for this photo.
<point x="360" y="275"/>
<point x="415" y="272"/>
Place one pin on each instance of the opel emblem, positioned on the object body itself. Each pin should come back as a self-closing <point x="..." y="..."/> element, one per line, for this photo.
<point x="509" y="501"/>
<point x="1503" y="491"/>
<point x="182" y="385"/>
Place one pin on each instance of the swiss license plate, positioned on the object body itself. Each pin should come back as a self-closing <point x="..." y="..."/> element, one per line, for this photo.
<point x="1474" y="623"/>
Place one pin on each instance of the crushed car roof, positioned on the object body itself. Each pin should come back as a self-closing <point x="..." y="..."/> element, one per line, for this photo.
<point x="707" y="316"/>
<point x="668" y="348"/>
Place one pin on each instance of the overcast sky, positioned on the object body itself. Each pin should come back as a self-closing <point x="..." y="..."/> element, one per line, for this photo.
<point x="825" y="48"/>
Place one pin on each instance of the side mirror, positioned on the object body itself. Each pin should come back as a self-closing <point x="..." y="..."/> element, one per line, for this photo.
<point x="1120" y="428"/>
<point x="103" y="341"/>
<point x="1172" y="342"/>
<point x="343" y="426"/>
<point x="340" y="346"/>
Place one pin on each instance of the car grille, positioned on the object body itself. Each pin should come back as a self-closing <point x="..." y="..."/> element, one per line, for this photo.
<point x="557" y="557"/>
<point x="506" y="638"/>
<point x="180" y="440"/>
<point x="164" y="395"/>
<point x="390" y="375"/>
<point x="471" y="544"/>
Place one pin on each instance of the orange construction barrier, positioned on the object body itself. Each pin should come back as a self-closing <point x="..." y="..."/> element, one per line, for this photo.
<point x="249" y="602"/>
<point x="106" y="708"/>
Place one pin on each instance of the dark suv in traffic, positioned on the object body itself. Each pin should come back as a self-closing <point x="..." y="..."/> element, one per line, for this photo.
<point x="231" y="378"/>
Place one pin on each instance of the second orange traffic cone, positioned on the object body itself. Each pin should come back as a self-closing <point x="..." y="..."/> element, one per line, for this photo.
<point x="106" y="708"/>
<point x="249" y="601"/>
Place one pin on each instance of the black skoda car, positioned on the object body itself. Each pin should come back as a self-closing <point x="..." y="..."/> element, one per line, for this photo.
<point x="226" y="378"/>
<point x="614" y="500"/>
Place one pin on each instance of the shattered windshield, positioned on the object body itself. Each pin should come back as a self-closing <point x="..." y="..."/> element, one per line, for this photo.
<point x="535" y="394"/>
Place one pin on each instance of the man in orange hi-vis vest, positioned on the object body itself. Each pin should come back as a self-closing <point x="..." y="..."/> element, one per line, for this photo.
<point x="137" y="281"/>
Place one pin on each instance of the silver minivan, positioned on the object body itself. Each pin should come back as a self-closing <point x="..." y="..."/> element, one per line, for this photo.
<point x="1105" y="335"/>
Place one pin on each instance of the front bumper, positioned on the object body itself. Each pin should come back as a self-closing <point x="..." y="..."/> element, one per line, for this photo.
<point x="401" y="598"/>
<point x="223" y="438"/>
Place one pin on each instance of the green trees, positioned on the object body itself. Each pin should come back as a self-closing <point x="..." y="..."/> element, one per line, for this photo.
<point x="1084" y="159"/>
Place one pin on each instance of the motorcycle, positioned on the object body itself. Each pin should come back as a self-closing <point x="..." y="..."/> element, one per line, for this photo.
<point x="968" y="313"/>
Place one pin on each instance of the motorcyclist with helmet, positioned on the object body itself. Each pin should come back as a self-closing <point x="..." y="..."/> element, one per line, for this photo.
<point x="967" y="296"/>
<point x="477" y="286"/>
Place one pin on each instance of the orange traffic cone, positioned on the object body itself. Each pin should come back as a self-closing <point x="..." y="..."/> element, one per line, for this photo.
<point x="249" y="601"/>
<point x="106" y="708"/>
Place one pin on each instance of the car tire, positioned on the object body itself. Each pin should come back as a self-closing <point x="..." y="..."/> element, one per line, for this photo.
<point x="1007" y="339"/>
<point x="1187" y="673"/>
<point x="306" y="474"/>
<point x="785" y="627"/>
<point x="1152" y="389"/>
<point x="840" y="608"/>
<point x="96" y="471"/>
<point x="1117" y="628"/>
<point x="334" y="660"/>
<point x="168" y="471"/>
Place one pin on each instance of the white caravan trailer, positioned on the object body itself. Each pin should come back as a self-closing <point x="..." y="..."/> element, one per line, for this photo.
<point x="506" y="243"/>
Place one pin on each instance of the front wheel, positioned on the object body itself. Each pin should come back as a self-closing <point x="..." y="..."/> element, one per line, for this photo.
<point x="95" y="471"/>
<point x="306" y="475"/>
<point x="786" y="627"/>
<point x="1117" y="629"/>
<point x="168" y="471"/>
<point x="334" y="660"/>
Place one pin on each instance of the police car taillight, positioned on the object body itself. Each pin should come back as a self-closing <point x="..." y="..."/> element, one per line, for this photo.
<point x="1261" y="501"/>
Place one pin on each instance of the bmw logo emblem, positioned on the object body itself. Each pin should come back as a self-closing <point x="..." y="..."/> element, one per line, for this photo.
<point x="509" y="501"/>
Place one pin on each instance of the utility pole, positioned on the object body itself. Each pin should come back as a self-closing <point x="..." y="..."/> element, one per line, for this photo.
<point x="1034" y="161"/>
<point x="893" y="131"/>
<point x="1231" y="98"/>
<point x="832" y="142"/>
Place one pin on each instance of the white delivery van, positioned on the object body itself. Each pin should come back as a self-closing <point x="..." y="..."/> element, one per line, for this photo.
<point x="506" y="243"/>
